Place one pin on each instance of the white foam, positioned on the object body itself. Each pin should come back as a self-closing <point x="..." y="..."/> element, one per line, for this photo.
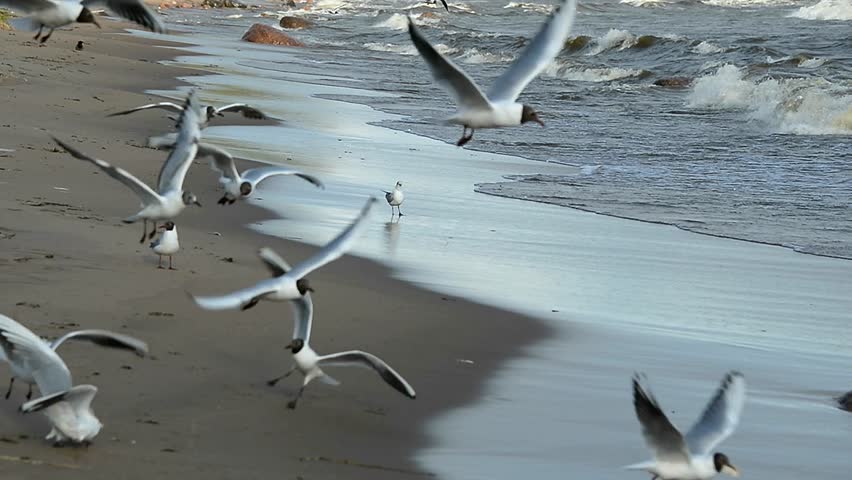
<point x="707" y="48"/>
<point x="747" y="3"/>
<point x="398" y="21"/>
<point x="476" y="56"/>
<point x="614" y="38"/>
<point x="596" y="75"/>
<point x="406" y="49"/>
<point x="815" y="62"/>
<point x="530" y="7"/>
<point x="826" y="10"/>
<point x="806" y="106"/>
<point x="647" y="3"/>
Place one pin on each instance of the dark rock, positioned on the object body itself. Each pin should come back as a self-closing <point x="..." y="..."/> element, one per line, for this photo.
<point x="673" y="82"/>
<point x="260" y="33"/>
<point x="222" y="4"/>
<point x="295" y="23"/>
<point x="845" y="401"/>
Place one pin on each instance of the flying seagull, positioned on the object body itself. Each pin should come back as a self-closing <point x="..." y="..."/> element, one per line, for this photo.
<point x="308" y="363"/>
<point x="59" y="13"/>
<point x="287" y="283"/>
<point x="210" y="111"/>
<point x="237" y="186"/>
<point x="395" y="198"/>
<point x="167" y="244"/>
<point x="33" y="360"/>
<point x="169" y="199"/>
<point x="690" y="456"/>
<point x="499" y="108"/>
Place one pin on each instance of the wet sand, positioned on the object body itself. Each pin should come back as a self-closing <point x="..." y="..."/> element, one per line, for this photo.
<point x="199" y="407"/>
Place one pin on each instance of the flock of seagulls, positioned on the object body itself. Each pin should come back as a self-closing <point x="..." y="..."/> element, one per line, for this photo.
<point x="68" y="407"/>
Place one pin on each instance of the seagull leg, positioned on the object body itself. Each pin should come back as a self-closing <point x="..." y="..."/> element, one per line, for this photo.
<point x="275" y="380"/>
<point x="292" y="403"/>
<point x="170" y="264"/>
<point x="223" y="200"/>
<point x="30" y="392"/>
<point x="144" y="230"/>
<point x="398" y="210"/>
<point x="160" y="262"/>
<point x="44" y="38"/>
<point x="250" y="303"/>
<point x="40" y="28"/>
<point x="153" y="232"/>
<point x="462" y="141"/>
<point x="9" y="391"/>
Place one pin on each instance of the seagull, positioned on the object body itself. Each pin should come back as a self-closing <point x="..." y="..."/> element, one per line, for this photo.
<point x="237" y="186"/>
<point x="59" y="13"/>
<point x="287" y="283"/>
<point x="395" y="198"/>
<point x="690" y="456"/>
<point x="247" y="110"/>
<point x="167" y="244"/>
<point x="170" y="198"/>
<point x="499" y="108"/>
<point x="35" y="361"/>
<point x="444" y="2"/>
<point x="308" y="363"/>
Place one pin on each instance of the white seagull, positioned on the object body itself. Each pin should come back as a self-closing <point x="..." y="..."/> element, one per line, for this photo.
<point x="170" y="198"/>
<point x="499" y="108"/>
<point x="308" y="363"/>
<point x="690" y="457"/>
<point x="395" y="198"/>
<point x="210" y="111"/>
<point x="287" y="283"/>
<point x="58" y="13"/>
<point x="237" y="186"/>
<point x="34" y="360"/>
<point x="167" y="244"/>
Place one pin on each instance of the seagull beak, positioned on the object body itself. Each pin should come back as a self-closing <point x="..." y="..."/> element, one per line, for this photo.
<point x="161" y="227"/>
<point x="96" y="22"/>
<point x="538" y="121"/>
<point x="289" y="345"/>
<point x="310" y="289"/>
<point x="730" y="470"/>
<point x="197" y="203"/>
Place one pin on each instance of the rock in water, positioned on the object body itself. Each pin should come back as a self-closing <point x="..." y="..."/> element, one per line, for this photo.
<point x="222" y="4"/>
<point x="260" y="33"/>
<point x="674" y="82"/>
<point x="294" y="23"/>
<point x="845" y="401"/>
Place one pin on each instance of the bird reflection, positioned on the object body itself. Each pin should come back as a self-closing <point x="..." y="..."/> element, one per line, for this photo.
<point x="392" y="234"/>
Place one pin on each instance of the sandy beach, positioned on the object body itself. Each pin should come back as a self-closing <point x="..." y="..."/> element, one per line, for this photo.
<point x="199" y="407"/>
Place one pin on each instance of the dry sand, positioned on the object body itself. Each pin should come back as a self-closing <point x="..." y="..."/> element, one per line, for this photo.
<point x="199" y="407"/>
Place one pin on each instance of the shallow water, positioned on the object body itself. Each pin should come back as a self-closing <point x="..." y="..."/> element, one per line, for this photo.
<point x="622" y="295"/>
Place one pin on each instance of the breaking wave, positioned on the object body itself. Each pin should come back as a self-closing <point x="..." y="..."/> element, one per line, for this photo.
<point x="826" y="10"/>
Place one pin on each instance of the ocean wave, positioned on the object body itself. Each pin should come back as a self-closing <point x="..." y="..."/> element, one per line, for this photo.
<point x="826" y="10"/>
<point x="648" y="3"/>
<point x="530" y="7"/>
<point x="406" y="49"/>
<point x="616" y="39"/>
<point x="805" y="106"/>
<point x="573" y="73"/>
<point x="814" y="62"/>
<point x="398" y="21"/>
<point x="476" y="56"/>
<point x="707" y="48"/>
<point x="748" y="3"/>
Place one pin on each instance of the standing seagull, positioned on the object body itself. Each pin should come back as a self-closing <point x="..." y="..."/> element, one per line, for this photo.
<point x="395" y="198"/>
<point x="167" y="244"/>
<point x="308" y="362"/>
<point x="287" y="283"/>
<point x="210" y="111"/>
<point x="59" y="13"/>
<point x="67" y="407"/>
<point x="237" y="186"/>
<point x="690" y="457"/>
<point x="499" y="108"/>
<point x="170" y="198"/>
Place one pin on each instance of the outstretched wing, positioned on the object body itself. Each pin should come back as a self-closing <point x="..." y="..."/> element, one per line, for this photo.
<point x="238" y="299"/>
<point x="256" y="175"/>
<point x="247" y="110"/>
<point x="161" y="105"/>
<point x="357" y="358"/>
<point x="80" y="397"/>
<point x="303" y="317"/>
<point x="133" y="10"/>
<point x="144" y="192"/>
<point x="49" y="371"/>
<point x="221" y="160"/>
<point x="335" y="248"/>
<point x="446" y="74"/>
<point x="661" y="436"/>
<point x="720" y="417"/>
<point x="277" y="265"/>
<point x="183" y="153"/>
<point x="538" y="55"/>
<point x="105" y="338"/>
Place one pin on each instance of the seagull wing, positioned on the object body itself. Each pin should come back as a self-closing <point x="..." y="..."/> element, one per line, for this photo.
<point x="221" y="160"/>
<point x="49" y="371"/>
<point x="238" y="299"/>
<point x="145" y="193"/>
<point x="721" y="416"/>
<point x="538" y="55"/>
<point x="277" y="265"/>
<point x="80" y="397"/>
<point x="161" y="105"/>
<point x="463" y="90"/>
<point x="335" y="248"/>
<point x="303" y="317"/>
<point x="105" y="338"/>
<point x="180" y="158"/>
<point x="27" y="6"/>
<point x="661" y="436"/>
<point x="357" y="358"/>
<point x="133" y="10"/>
<point x="444" y="2"/>
<point x="256" y="175"/>
<point x="247" y="110"/>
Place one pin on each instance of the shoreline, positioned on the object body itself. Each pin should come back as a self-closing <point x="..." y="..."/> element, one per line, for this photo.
<point x="208" y="411"/>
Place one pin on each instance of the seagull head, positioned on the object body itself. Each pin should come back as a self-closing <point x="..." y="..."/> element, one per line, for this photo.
<point x="529" y="115"/>
<point x="189" y="198"/>
<point x="303" y="286"/>
<point x="167" y="226"/>
<point x="720" y="461"/>
<point x="398" y="184"/>
<point x="245" y="189"/>
<point x="210" y="111"/>
<point x="295" y="345"/>
<point x="86" y="16"/>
